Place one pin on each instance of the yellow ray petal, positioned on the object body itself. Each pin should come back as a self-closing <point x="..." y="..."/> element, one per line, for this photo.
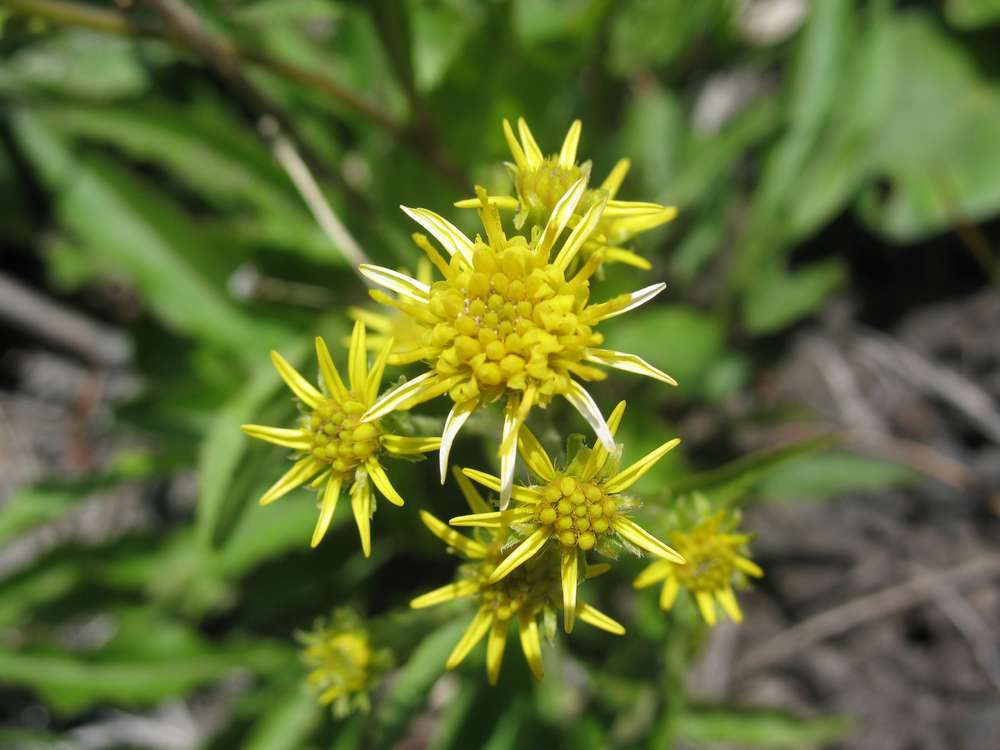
<point x="625" y="227"/>
<point x="451" y="237"/>
<point x="298" y="440"/>
<point x="452" y="424"/>
<point x="613" y="182"/>
<point x="361" y="504"/>
<point x="593" y="616"/>
<point x="560" y="216"/>
<point x="520" y="159"/>
<point x="567" y="154"/>
<point x="377" y="370"/>
<point x="568" y="569"/>
<point x="523" y="552"/>
<point x="301" y="387"/>
<point x="728" y="601"/>
<point x="401" y="445"/>
<point x="320" y="479"/>
<point x="379" y="478"/>
<point x="492" y="520"/>
<point x="519" y="493"/>
<point x="468" y="547"/>
<point x="706" y="606"/>
<point x="584" y="403"/>
<point x="593" y="571"/>
<point x="494" y="649"/>
<point x="627" y="477"/>
<point x="599" y="454"/>
<point x="748" y="566"/>
<point x="531" y="150"/>
<point x="357" y="359"/>
<point x="473" y="634"/>
<point x="534" y="455"/>
<point x="620" y="306"/>
<point x="531" y="645"/>
<point x="583" y="230"/>
<point x="508" y="453"/>
<point x="397" y="282"/>
<point x="328" y="370"/>
<point x="627" y="363"/>
<point x="505" y="202"/>
<point x="469" y="491"/>
<point x="401" y="394"/>
<point x="626" y="257"/>
<point x="373" y="320"/>
<point x="655" y="572"/>
<point x="641" y="538"/>
<point x="456" y="590"/>
<point x="668" y="594"/>
<point x="300" y="473"/>
<point x="330" y="496"/>
<point x="628" y="209"/>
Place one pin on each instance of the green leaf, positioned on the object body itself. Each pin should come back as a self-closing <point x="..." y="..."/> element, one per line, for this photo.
<point x="730" y="482"/>
<point x="131" y="229"/>
<point x="408" y="694"/>
<point x="936" y="147"/>
<point x="775" y="297"/>
<point x="287" y="725"/>
<point x="221" y="497"/>
<point x="758" y="728"/>
<point x="972" y="14"/>
<point x="817" y="477"/>
<point x="678" y="340"/>
<point x="655" y="33"/>
<point x="72" y="683"/>
<point x="77" y="63"/>
<point x="440" y="33"/>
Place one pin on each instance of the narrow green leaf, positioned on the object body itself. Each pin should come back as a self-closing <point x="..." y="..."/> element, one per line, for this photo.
<point x="758" y="728"/>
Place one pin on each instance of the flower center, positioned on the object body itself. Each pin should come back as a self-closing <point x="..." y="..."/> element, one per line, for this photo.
<point x="578" y="512"/>
<point x="542" y="188"/>
<point x="708" y="568"/>
<point x="338" y="438"/>
<point x="527" y="589"/>
<point x="341" y="661"/>
<point x="509" y="323"/>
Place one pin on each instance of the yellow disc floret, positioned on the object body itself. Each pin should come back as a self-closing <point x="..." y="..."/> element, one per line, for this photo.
<point x="526" y="591"/>
<point x="578" y="512"/>
<point x="338" y="436"/>
<point x="509" y="323"/>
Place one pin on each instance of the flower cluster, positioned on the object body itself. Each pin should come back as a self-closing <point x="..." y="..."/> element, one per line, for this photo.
<point x="505" y="317"/>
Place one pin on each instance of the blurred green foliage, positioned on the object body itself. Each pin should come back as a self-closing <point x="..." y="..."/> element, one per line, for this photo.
<point x="124" y="159"/>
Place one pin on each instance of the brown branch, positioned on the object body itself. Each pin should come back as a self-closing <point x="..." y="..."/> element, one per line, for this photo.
<point x="864" y="609"/>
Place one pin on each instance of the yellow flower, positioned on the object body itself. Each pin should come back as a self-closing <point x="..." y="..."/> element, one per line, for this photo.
<point x="530" y="593"/>
<point x="540" y="181"/>
<point x="334" y="448"/>
<point x="714" y="560"/>
<point x="405" y="333"/>
<point x="572" y="511"/>
<point x="507" y="323"/>
<point x="344" y="665"/>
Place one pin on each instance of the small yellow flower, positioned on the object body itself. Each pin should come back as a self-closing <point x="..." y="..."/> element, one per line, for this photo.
<point x="715" y="559"/>
<point x="540" y="181"/>
<point x="530" y="593"/>
<point x="405" y="333"/>
<point x="572" y="511"/>
<point x="334" y="447"/>
<point x="507" y="322"/>
<point x="344" y="664"/>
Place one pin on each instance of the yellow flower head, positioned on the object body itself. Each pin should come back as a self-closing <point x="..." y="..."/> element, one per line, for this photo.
<point x="541" y="181"/>
<point x="507" y="322"/>
<point x="344" y="665"/>
<point x="405" y="333"/>
<point x="529" y="593"/>
<point x="572" y="511"/>
<point x="715" y="561"/>
<point x="334" y="448"/>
